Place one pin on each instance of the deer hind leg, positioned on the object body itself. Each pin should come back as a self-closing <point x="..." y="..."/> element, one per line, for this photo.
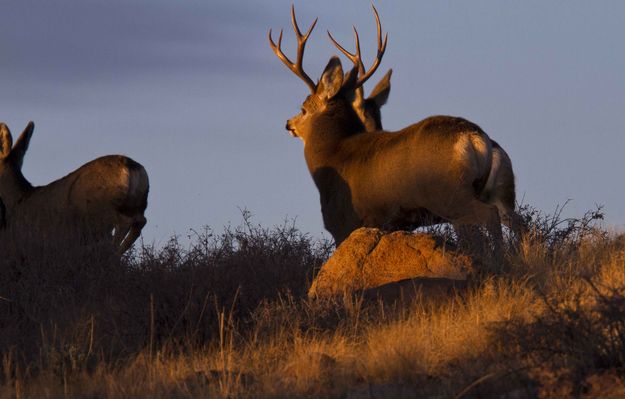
<point x="480" y="213"/>
<point x="121" y="230"/>
<point x="516" y="223"/>
<point x="511" y="219"/>
<point x="130" y="212"/>
<point x="133" y="232"/>
<point x="470" y="237"/>
<point x="500" y="191"/>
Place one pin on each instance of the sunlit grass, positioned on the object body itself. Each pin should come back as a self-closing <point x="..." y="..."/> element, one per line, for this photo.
<point x="228" y="317"/>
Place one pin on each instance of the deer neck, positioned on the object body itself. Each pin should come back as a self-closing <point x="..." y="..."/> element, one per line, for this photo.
<point x="328" y="131"/>
<point x="325" y="159"/>
<point x="14" y="188"/>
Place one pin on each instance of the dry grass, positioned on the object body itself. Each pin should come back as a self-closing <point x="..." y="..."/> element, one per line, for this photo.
<point x="227" y="318"/>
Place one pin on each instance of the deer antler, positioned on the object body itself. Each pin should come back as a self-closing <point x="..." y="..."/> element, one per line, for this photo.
<point x="356" y="57"/>
<point x="297" y="68"/>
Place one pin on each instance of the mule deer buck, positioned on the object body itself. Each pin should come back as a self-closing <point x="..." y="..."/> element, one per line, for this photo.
<point x="108" y="193"/>
<point x="391" y="180"/>
<point x="500" y="187"/>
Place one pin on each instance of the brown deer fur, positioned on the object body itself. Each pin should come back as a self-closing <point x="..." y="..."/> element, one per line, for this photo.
<point x="384" y="179"/>
<point x="500" y="187"/>
<point x="107" y="193"/>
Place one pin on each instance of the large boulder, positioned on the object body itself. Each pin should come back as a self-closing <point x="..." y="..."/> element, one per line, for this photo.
<point x="372" y="261"/>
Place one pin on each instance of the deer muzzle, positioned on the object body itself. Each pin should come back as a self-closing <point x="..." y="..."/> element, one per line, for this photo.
<point x="290" y="129"/>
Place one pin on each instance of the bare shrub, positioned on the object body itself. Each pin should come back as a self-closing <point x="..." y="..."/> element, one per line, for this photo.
<point x="65" y="299"/>
<point x="557" y="232"/>
<point x="226" y="316"/>
<point x="581" y="332"/>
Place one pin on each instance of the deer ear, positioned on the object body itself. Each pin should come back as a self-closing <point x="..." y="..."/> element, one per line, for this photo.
<point x="331" y="79"/>
<point x="351" y="78"/>
<point x="349" y="89"/>
<point x="380" y="92"/>
<point x="21" y="145"/>
<point x="6" y="141"/>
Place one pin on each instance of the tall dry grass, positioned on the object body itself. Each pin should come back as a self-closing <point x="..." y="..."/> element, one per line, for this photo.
<point x="227" y="317"/>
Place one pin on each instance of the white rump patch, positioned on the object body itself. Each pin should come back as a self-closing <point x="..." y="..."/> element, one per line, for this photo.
<point x="472" y="149"/>
<point x="462" y="148"/>
<point x="137" y="182"/>
<point x="494" y="175"/>
<point x="130" y="180"/>
<point x="483" y="149"/>
<point x="124" y="177"/>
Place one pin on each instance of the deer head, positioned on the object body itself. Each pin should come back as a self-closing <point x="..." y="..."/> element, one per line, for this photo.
<point x="334" y="89"/>
<point x="12" y="180"/>
<point x="368" y="110"/>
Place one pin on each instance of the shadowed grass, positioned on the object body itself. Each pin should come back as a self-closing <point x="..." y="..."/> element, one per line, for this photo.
<point x="227" y="317"/>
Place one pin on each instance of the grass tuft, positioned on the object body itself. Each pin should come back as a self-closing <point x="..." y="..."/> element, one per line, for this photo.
<point x="227" y="317"/>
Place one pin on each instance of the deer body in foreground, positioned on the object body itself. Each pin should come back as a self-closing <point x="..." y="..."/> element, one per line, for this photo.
<point x="500" y="187"/>
<point x="107" y="193"/>
<point x="390" y="180"/>
<point x="385" y="179"/>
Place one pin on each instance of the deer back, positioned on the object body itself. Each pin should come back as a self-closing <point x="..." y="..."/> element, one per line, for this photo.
<point x="108" y="192"/>
<point x="100" y="187"/>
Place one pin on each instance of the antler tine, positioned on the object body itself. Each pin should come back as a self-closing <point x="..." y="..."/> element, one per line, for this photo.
<point x="355" y="58"/>
<point x="297" y="67"/>
<point x="301" y="44"/>
<point x="379" y="27"/>
<point x="381" y="49"/>
<point x="301" y="38"/>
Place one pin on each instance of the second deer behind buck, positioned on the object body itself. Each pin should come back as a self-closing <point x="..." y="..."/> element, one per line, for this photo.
<point x="391" y="180"/>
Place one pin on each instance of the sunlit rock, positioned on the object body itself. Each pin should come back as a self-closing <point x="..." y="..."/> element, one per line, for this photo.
<point x="375" y="262"/>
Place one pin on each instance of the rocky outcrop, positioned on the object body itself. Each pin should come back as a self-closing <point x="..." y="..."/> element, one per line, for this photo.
<point x="372" y="261"/>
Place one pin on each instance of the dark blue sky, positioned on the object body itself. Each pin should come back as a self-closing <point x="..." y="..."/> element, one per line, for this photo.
<point x="192" y="90"/>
